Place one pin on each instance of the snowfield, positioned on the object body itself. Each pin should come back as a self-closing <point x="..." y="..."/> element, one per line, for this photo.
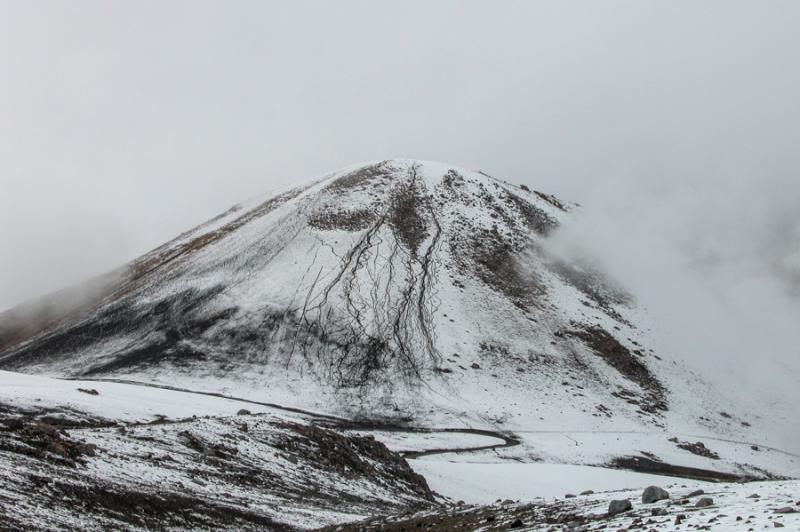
<point x="485" y="483"/>
<point x="115" y="401"/>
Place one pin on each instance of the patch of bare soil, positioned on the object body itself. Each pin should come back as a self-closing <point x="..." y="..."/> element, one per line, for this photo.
<point x="535" y="219"/>
<point x="492" y="255"/>
<point x="626" y="363"/>
<point x="345" y="219"/>
<point x="43" y="441"/>
<point x="364" y="176"/>
<point x="407" y="214"/>
<point x="698" y="448"/>
<point x="351" y="456"/>
<point x="497" y="266"/>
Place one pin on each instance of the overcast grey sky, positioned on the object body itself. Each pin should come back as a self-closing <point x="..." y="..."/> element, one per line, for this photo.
<point x="674" y="123"/>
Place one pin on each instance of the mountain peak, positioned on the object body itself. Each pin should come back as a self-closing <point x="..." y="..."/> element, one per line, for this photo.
<point x="393" y="284"/>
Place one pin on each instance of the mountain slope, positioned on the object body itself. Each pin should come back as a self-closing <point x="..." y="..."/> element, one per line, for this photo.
<point x="106" y="456"/>
<point x="396" y="290"/>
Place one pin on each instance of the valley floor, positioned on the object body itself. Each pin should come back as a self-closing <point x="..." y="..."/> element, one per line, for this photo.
<point x="97" y="455"/>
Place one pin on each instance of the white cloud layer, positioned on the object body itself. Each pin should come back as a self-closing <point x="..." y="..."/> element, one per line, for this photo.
<point x="675" y="124"/>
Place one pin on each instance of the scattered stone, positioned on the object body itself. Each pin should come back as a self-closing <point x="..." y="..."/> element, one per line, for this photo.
<point x="569" y="496"/>
<point x="658" y="511"/>
<point x="90" y="391"/>
<point x="699" y="449"/>
<point x="653" y="494"/>
<point x="696" y="493"/>
<point x="705" y="501"/>
<point x="619" y="506"/>
<point x="785" y="510"/>
<point x="754" y="496"/>
<point x="587" y="492"/>
<point x="776" y="524"/>
<point x="516" y="524"/>
<point x="679" y="519"/>
<point x="475" y="365"/>
<point x="243" y="412"/>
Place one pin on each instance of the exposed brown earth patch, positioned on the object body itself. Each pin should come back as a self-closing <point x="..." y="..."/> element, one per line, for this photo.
<point x="362" y="177"/>
<point x="626" y="363"/>
<point x="535" y="219"/>
<point x="345" y="220"/>
<point x="407" y="214"/>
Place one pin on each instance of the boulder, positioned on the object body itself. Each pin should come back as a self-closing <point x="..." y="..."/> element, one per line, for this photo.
<point x="619" y="506"/>
<point x="653" y="494"/>
<point x="705" y="501"/>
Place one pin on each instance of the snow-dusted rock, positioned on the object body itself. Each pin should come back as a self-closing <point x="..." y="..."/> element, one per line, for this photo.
<point x="619" y="506"/>
<point x="653" y="494"/>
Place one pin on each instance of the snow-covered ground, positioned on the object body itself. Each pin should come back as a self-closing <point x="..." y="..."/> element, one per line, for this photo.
<point x="98" y="456"/>
<point x="159" y="451"/>
<point x="485" y="483"/>
<point x="114" y="401"/>
<point x="688" y="506"/>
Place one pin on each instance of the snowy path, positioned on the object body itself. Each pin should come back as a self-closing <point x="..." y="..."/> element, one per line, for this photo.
<point x="501" y="440"/>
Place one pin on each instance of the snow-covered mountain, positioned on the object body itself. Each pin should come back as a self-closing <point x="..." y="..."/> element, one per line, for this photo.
<point x="403" y="292"/>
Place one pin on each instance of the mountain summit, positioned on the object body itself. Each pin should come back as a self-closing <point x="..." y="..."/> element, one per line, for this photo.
<point x="401" y="290"/>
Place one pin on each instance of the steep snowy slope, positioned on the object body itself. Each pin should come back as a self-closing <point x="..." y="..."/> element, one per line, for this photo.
<point x="405" y="291"/>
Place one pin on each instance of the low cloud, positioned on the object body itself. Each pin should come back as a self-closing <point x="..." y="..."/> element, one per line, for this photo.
<point x="715" y="263"/>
